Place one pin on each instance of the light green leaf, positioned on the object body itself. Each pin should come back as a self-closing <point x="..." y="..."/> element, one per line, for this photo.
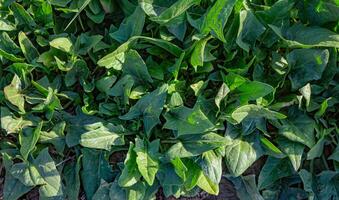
<point x="217" y="17"/>
<point x="293" y="150"/>
<point x="62" y="43"/>
<point x="130" y="174"/>
<point x="240" y="155"/>
<point x="13" y="93"/>
<point x="103" y="137"/>
<point x="255" y="111"/>
<point x="197" y="57"/>
<point x="27" y="48"/>
<point x="148" y="165"/>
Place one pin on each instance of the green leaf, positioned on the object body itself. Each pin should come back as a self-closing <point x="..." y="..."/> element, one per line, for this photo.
<point x="246" y="187"/>
<point x="62" y="43"/>
<point x="300" y="36"/>
<point x="217" y="17"/>
<point x="252" y="90"/>
<point x="12" y="188"/>
<point x="187" y="121"/>
<point x="21" y="15"/>
<point x="222" y="93"/>
<point x="193" y="145"/>
<point x="28" y="138"/>
<point x="13" y="93"/>
<point x="72" y="179"/>
<point x="55" y="136"/>
<point x="306" y="65"/>
<point x="12" y="124"/>
<point x="250" y="29"/>
<point x="130" y="174"/>
<point x="52" y="188"/>
<point x="298" y="128"/>
<point x="94" y="168"/>
<point x="293" y="150"/>
<point x="27" y="48"/>
<point x="131" y="26"/>
<point x="176" y="9"/>
<point x="149" y="107"/>
<point x="27" y="173"/>
<point x="273" y="170"/>
<point x="240" y="155"/>
<point x="197" y="57"/>
<point x="148" y="165"/>
<point x="136" y="67"/>
<point x="255" y="111"/>
<point x="103" y="137"/>
<point x="211" y="165"/>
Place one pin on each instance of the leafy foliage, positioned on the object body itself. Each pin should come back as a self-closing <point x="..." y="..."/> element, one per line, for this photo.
<point x="140" y="99"/>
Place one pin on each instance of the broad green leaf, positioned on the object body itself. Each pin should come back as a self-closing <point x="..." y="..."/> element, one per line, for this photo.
<point x="299" y="35"/>
<point x="306" y="65"/>
<point x="197" y="57"/>
<point x="252" y="90"/>
<point x="217" y="17"/>
<point x="52" y="187"/>
<point x="13" y="93"/>
<point x="10" y="123"/>
<point x="27" y="173"/>
<point x="255" y="111"/>
<point x="148" y="165"/>
<point x="298" y="127"/>
<point x="240" y="155"/>
<point x="21" y="15"/>
<point x="94" y="168"/>
<point x="211" y="165"/>
<point x="273" y="170"/>
<point x="27" y="48"/>
<point x="246" y="187"/>
<point x="28" y="138"/>
<point x="193" y="145"/>
<point x="102" y="137"/>
<point x="103" y="191"/>
<point x="130" y="173"/>
<point x="317" y="150"/>
<point x="55" y="136"/>
<point x="117" y="57"/>
<point x="71" y="176"/>
<point x="187" y="121"/>
<point x="136" y="67"/>
<point x="62" y="43"/>
<point x="131" y="26"/>
<point x="116" y="192"/>
<point x="250" y="29"/>
<point x="176" y="9"/>
<point x="12" y="188"/>
<point x="149" y="107"/>
<point x="293" y="150"/>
